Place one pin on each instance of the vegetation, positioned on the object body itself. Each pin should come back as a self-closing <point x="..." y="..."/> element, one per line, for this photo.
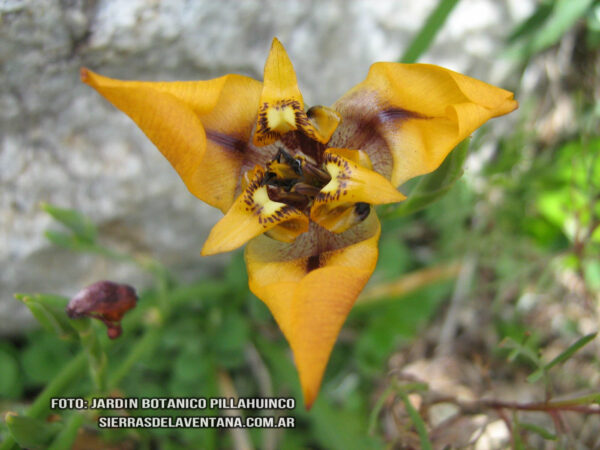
<point x="478" y="327"/>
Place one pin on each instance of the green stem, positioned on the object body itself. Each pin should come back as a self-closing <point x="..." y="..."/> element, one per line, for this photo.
<point x="70" y="373"/>
<point x="377" y="409"/>
<point x="73" y="370"/>
<point x="142" y="346"/>
<point x="428" y="31"/>
<point x="68" y="434"/>
<point x="414" y="414"/>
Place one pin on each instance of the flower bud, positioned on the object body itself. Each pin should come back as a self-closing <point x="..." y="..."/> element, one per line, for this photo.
<point x="105" y="301"/>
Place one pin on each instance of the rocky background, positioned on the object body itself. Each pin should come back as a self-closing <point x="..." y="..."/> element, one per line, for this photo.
<point x="61" y="143"/>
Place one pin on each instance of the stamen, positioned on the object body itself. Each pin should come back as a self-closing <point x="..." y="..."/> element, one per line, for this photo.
<point x="295" y="199"/>
<point x="315" y="175"/>
<point x="306" y="189"/>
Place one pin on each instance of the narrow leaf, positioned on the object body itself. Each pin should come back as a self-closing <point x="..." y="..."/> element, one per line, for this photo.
<point x="570" y="351"/>
<point x="68" y="434"/>
<point x="429" y="30"/>
<point x="533" y="22"/>
<point x="434" y="185"/>
<point x="69" y="241"/>
<point x="49" y="311"/>
<point x="564" y="16"/>
<point x="377" y="409"/>
<point x="546" y="26"/>
<point x="519" y="349"/>
<point x="80" y="225"/>
<point x="31" y="433"/>
<point x="538" y="430"/>
<point x="417" y="421"/>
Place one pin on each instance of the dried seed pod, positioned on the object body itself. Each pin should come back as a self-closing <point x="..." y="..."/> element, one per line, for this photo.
<point x="106" y="301"/>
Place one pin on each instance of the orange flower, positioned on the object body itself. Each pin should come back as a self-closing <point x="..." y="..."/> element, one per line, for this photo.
<point x="298" y="185"/>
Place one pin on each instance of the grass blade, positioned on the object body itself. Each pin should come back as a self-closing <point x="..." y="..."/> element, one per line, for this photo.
<point x="417" y="421"/>
<point x="570" y="351"/>
<point x="425" y="37"/>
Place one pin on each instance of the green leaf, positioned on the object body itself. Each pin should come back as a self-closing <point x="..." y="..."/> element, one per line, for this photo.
<point x="564" y="16"/>
<point x="520" y="349"/>
<point x="341" y="428"/>
<point x="43" y="358"/>
<point x="31" y="433"/>
<point x="96" y="355"/>
<point x="548" y="24"/>
<point x="538" y="430"/>
<point x="417" y="421"/>
<point x="70" y="241"/>
<point x="580" y="343"/>
<point x="80" y="225"/>
<point x="533" y="22"/>
<point x="592" y="273"/>
<point x="49" y="310"/>
<point x="434" y="185"/>
<point x="11" y="385"/>
<point x="429" y="30"/>
<point x="377" y="408"/>
<point x="229" y="340"/>
<point x="68" y="434"/>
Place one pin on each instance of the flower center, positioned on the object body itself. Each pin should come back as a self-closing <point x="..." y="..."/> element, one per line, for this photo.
<point x="295" y="181"/>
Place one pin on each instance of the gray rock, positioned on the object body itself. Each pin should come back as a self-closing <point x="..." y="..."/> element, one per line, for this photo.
<point x="63" y="144"/>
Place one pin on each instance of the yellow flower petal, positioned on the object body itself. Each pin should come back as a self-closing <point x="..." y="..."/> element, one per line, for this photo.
<point x="252" y="214"/>
<point x="310" y="286"/>
<point x="356" y="156"/>
<point x="325" y="120"/>
<point x="408" y="117"/>
<point x="281" y="107"/>
<point x="345" y="200"/>
<point x="178" y="117"/>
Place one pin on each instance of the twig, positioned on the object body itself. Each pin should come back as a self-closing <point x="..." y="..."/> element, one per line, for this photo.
<point x="461" y="289"/>
<point x="408" y="283"/>
<point x="265" y="385"/>
<point x="579" y="404"/>
<point x="241" y="438"/>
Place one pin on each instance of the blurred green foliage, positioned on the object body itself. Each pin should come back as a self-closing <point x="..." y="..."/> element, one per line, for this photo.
<point x="537" y="212"/>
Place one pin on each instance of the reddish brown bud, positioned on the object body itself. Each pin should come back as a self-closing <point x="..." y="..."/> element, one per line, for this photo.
<point x="105" y="301"/>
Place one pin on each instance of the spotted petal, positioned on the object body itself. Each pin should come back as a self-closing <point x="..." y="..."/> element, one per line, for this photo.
<point x="310" y="287"/>
<point x="408" y="117"/>
<point x="281" y="105"/>
<point x="201" y="127"/>
<point x="346" y="199"/>
<point x="254" y="213"/>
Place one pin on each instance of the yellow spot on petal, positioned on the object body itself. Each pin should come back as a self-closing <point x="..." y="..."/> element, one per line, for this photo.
<point x="281" y="120"/>
<point x="252" y="214"/>
<point x="269" y="207"/>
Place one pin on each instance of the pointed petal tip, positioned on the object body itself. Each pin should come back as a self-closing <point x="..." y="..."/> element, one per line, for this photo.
<point x="216" y="244"/>
<point x="84" y="75"/>
<point x="309" y="397"/>
<point x="207" y="250"/>
<point x="276" y="43"/>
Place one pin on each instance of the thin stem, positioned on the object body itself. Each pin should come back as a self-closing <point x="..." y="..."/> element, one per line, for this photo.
<point x="73" y="370"/>
<point x="227" y="389"/>
<point x="68" y="434"/>
<point x="580" y="404"/>
<point x="141" y="347"/>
